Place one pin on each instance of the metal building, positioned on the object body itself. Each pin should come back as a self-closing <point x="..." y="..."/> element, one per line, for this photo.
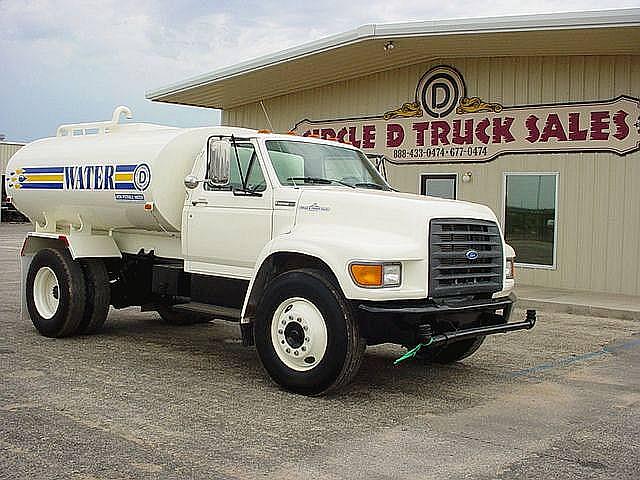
<point x="536" y="116"/>
<point x="7" y="149"/>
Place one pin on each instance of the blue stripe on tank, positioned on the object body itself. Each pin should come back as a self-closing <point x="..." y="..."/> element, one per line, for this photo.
<point x="42" y="185"/>
<point x="125" y="168"/>
<point x="125" y="186"/>
<point x="28" y="170"/>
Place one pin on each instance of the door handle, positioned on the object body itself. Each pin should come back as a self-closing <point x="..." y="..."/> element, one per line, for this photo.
<point x="200" y="201"/>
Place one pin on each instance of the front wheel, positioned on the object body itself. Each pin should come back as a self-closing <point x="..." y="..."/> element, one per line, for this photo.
<point x="306" y="335"/>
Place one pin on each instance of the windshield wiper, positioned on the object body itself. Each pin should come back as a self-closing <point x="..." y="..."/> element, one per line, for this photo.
<point x="319" y="180"/>
<point x="369" y="185"/>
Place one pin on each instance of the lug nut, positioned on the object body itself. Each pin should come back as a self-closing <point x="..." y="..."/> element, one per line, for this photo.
<point x="306" y="328"/>
<point x="280" y="331"/>
<point x="288" y="350"/>
<point x="306" y="339"/>
<point x="295" y="352"/>
<point x="303" y="348"/>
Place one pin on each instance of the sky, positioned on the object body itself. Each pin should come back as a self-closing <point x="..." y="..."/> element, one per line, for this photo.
<point x="75" y="61"/>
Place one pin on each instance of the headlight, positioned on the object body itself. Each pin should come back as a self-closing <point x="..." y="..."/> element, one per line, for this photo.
<point x="391" y="274"/>
<point x="375" y="275"/>
<point x="510" y="269"/>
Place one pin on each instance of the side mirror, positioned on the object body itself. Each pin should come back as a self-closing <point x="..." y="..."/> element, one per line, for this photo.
<point x="191" y="181"/>
<point x="218" y="162"/>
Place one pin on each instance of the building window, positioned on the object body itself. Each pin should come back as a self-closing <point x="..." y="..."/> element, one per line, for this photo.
<point x="439" y="185"/>
<point x="530" y="217"/>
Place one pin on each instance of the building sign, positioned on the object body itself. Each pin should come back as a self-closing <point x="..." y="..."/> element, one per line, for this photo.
<point x="444" y="124"/>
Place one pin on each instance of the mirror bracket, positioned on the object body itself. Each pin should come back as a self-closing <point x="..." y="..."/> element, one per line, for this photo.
<point x="191" y="181"/>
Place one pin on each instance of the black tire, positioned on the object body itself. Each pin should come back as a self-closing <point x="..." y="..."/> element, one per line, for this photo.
<point x="344" y="345"/>
<point x="98" y="296"/>
<point x="71" y="292"/>
<point x="451" y="353"/>
<point x="171" y="317"/>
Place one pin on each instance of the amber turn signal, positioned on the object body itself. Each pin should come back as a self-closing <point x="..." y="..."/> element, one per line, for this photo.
<point x="367" y="275"/>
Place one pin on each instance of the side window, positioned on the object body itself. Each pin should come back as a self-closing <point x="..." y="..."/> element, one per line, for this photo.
<point x="250" y="170"/>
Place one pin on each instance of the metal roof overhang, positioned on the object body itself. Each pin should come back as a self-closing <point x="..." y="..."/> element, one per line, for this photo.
<point x="360" y="52"/>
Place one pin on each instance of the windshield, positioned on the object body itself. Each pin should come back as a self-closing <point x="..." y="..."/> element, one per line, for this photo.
<point x="299" y="163"/>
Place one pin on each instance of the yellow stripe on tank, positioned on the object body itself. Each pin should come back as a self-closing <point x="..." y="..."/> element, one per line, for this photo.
<point x="50" y="177"/>
<point x="124" y="177"/>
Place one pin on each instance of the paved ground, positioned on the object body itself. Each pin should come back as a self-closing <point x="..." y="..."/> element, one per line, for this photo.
<point x="145" y="400"/>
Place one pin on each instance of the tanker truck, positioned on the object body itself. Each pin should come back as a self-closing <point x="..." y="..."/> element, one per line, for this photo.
<point x="297" y="239"/>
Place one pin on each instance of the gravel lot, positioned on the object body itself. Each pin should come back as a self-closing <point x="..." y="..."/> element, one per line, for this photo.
<point x="146" y="400"/>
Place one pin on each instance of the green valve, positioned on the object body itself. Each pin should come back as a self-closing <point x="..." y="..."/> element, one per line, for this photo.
<point x="413" y="352"/>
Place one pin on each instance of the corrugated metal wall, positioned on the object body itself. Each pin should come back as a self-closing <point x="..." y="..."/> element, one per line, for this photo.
<point x="598" y="199"/>
<point x="6" y="152"/>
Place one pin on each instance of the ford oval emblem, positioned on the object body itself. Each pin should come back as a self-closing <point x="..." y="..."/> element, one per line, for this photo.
<point x="471" y="254"/>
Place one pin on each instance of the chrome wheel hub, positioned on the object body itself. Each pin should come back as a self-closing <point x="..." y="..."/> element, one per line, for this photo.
<point x="299" y="334"/>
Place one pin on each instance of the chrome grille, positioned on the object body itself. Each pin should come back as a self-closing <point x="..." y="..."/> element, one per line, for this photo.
<point x="452" y="273"/>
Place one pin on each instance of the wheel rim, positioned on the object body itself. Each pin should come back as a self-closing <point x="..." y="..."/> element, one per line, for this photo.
<point x="46" y="292"/>
<point x="299" y="334"/>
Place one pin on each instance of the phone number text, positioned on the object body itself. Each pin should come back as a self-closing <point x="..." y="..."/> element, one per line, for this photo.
<point x="440" y="152"/>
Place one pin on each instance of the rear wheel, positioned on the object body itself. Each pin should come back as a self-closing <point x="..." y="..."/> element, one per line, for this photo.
<point x="98" y="296"/>
<point x="55" y="293"/>
<point x="306" y="335"/>
<point x="451" y="353"/>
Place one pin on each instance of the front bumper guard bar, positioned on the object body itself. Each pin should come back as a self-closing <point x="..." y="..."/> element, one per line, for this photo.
<point x="424" y="335"/>
<point x="427" y="339"/>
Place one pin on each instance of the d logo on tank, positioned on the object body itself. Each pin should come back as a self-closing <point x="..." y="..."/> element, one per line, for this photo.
<point x="142" y="177"/>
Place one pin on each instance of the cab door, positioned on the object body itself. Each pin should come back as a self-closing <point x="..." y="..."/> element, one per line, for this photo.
<point x="227" y="228"/>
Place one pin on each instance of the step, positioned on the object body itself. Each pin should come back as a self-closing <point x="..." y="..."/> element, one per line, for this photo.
<point x="216" y="311"/>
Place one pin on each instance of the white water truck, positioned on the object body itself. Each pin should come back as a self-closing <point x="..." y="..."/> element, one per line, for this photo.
<point x="297" y="239"/>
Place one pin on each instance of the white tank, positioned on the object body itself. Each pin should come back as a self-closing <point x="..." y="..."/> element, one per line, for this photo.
<point x="104" y="173"/>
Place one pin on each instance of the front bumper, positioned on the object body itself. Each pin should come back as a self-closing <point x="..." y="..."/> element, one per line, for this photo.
<point x="432" y="307"/>
<point x="446" y="321"/>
